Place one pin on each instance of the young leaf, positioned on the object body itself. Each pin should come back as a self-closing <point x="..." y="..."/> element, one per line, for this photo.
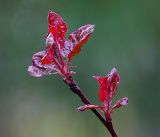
<point x="88" y="106"/>
<point x="38" y="69"/>
<point x="78" y="38"/>
<point x="114" y="80"/>
<point x="108" y="85"/>
<point x="58" y="27"/>
<point x="49" y="57"/>
<point x="120" y="103"/>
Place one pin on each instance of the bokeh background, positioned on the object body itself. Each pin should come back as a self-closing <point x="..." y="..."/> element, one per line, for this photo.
<point x="127" y="36"/>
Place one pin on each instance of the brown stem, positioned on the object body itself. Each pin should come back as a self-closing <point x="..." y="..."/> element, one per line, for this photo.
<point x="75" y="89"/>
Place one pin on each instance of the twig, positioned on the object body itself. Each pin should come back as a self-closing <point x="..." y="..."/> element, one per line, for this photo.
<point x="75" y="89"/>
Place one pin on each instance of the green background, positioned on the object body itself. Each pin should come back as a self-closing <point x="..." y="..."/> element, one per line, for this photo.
<point x="126" y="36"/>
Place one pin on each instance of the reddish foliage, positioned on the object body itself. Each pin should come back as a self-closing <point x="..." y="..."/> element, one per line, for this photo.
<point x="108" y="87"/>
<point x="58" y="27"/>
<point x="77" y="48"/>
<point x="78" y="38"/>
<point x="57" y="56"/>
<point x="58" y="50"/>
<point x="49" y="56"/>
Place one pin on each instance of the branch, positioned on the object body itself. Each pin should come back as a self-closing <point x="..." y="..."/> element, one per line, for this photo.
<point x="75" y="89"/>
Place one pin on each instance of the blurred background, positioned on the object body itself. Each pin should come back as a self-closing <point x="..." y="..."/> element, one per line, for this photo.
<point x="127" y="36"/>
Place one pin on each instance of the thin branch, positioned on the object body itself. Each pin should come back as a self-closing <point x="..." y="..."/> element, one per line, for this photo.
<point x="75" y="89"/>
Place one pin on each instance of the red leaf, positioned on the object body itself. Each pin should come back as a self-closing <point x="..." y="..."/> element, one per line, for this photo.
<point x="49" y="57"/>
<point x="89" y="106"/>
<point x="38" y="69"/>
<point x="114" y="80"/>
<point x="104" y="86"/>
<point x="50" y="43"/>
<point x="58" y="27"/>
<point x="120" y="103"/>
<point x="77" y="48"/>
<point x="108" y="85"/>
<point x="78" y="38"/>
